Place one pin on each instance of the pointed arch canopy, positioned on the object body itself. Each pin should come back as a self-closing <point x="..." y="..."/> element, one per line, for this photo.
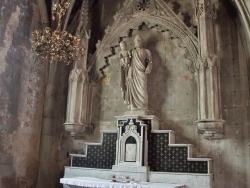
<point x="127" y="18"/>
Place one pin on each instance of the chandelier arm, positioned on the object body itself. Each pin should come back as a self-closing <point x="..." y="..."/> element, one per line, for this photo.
<point x="72" y="3"/>
<point x="43" y="13"/>
<point x="57" y="45"/>
<point x="54" y="14"/>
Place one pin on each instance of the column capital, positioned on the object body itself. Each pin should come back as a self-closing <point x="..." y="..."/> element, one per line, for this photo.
<point x="207" y="8"/>
<point x="77" y="75"/>
<point x="201" y="63"/>
<point x="212" y="60"/>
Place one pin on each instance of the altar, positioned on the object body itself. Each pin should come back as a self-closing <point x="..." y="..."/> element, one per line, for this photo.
<point x="119" y="124"/>
<point x="104" y="183"/>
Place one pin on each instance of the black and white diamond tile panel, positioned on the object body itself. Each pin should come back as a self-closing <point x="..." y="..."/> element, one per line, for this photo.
<point x="161" y="157"/>
<point x="99" y="156"/>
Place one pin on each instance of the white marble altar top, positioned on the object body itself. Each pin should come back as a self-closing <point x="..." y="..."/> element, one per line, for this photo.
<point x="102" y="183"/>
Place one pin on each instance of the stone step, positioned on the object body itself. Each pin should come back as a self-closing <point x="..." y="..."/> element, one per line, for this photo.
<point x="170" y="132"/>
<point x="173" y="157"/>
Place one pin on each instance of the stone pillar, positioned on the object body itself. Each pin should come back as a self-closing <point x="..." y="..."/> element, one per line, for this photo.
<point x="201" y="66"/>
<point x="209" y="120"/>
<point x="47" y="178"/>
<point x="74" y="123"/>
<point x="79" y="92"/>
<point x="79" y="95"/>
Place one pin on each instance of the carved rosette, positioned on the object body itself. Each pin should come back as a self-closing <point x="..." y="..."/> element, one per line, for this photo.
<point x="144" y="5"/>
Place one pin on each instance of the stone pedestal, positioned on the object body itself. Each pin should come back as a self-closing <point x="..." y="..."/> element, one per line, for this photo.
<point x="74" y="129"/>
<point x="211" y="129"/>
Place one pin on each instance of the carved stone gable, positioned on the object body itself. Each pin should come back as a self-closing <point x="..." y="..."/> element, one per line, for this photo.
<point x="131" y="16"/>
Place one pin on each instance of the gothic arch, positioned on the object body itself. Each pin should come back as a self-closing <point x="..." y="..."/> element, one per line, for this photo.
<point x="128" y="17"/>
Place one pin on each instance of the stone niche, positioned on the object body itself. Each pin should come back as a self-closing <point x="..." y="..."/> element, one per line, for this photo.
<point x="171" y="86"/>
<point x="184" y="84"/>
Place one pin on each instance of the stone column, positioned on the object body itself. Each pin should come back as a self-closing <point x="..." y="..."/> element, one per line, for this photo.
<point x="209" y="120"/>
<point x="79" y="92"/>
<point x="74" y="123"/>
<point x="79" y="95"/>
<point x="47" y="178"/>
<point x="202" y="90"/>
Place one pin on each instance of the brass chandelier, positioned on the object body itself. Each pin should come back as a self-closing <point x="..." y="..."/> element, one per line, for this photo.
<point x="57" y="45"/>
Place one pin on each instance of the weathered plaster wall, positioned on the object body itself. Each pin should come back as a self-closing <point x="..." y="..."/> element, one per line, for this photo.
<point x="21" y="95"/>
<point x="30" y="145"/>
<point x="54" y="142"/>
<point x="102" y="15"/>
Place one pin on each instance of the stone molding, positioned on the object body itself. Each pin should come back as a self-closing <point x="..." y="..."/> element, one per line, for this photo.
<point x="75" y="129"/>
<point x="211" y="129"/>
<point x="209" y="121"/>
<point x="190" y="180"/>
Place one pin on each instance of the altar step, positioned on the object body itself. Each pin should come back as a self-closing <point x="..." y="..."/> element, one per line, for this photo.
<point x="97" y="182"/>
<point x="98" y="155"/>
<point x="164" y="155"/>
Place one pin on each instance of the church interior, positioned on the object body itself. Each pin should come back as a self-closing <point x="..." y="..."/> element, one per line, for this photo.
<point x="124" y="93"/>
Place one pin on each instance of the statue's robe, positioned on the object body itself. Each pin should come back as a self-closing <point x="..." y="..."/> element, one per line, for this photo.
<point x="137" y="95"/>
<point x="125" y="69"/>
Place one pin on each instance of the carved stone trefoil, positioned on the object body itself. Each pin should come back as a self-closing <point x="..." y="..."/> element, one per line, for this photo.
<point x="144" y="5"/>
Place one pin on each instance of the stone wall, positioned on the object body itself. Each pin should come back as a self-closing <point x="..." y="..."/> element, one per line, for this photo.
<point x="21" y="95"/>
<point x="28" y="143"/>
<point x="231" y="154"/>
<point x="102" y="15"/>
